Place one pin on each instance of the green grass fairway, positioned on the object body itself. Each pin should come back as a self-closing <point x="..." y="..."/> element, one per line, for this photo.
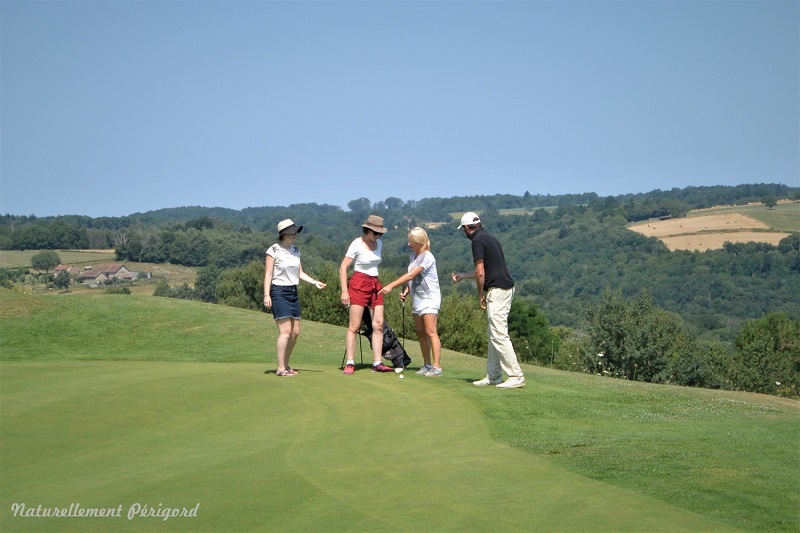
<point x="321" y="452"/>
<point x="109" y="401"/>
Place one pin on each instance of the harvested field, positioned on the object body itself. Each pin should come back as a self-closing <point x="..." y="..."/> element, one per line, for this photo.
<point x="22" y="258"/>
<point x="709" y="232"/>
<point x="681" y="226"/>
<point x="714" y="241"/>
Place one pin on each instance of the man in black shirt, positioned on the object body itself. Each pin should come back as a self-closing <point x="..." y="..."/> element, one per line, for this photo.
<point x="495" y="293"/>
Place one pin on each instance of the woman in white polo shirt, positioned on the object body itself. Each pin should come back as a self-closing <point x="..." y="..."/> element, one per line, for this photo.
<point x="283" y="273"/>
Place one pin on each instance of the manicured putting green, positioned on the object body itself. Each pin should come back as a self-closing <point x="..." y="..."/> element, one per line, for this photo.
<point x="319" y="452"/>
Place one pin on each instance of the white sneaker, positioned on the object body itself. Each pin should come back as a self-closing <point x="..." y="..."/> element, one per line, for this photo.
<point x="423" y="369"/>
<point x="486" y="381"/>
<point x="433" y="372"/>
<point x="512" y="383"/>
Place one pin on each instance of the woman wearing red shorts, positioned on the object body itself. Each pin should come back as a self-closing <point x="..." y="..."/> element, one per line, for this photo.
<point x="364" y="254"/>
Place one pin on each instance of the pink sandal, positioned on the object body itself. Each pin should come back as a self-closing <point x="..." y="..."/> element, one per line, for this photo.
<point x="284" y="373"/>
<point x="292" y="371"/>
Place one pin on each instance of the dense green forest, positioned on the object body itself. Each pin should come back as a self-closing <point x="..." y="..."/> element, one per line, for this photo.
<point x="572" y="256"/>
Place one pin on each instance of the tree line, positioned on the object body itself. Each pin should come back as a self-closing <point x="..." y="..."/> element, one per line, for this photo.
<point x="78" y="231"/>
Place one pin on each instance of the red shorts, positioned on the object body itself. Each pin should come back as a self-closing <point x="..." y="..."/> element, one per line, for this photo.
<point x="363" y="290"/>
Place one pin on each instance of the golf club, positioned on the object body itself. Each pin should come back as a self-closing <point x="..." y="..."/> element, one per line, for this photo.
<point x="402" y="367"/>
<point x="403" y="336"/>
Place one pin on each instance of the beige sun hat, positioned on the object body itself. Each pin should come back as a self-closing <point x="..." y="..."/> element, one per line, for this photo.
<point x="375" y="223"/>
<point x="287" y="227"/>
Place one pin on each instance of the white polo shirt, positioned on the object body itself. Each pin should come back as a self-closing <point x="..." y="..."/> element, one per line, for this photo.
<point x="287" y="264"/>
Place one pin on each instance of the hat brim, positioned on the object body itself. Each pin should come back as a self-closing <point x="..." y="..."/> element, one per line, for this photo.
<point x="291" y="230"/>
<point x="473" y="223"/>
<point x="376" y="229"/>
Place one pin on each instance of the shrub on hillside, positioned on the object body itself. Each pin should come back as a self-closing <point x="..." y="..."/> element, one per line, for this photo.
<point x="463" y="325"/>
<point x="8" y="276"/>
<point x="118" y="290"/>
<point x="767" y="356"/>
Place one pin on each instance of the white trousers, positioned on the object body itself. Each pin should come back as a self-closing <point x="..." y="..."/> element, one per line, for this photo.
<point x="501" y="356"/>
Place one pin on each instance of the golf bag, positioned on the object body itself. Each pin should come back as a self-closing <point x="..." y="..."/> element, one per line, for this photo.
<point x="392" y="349"/>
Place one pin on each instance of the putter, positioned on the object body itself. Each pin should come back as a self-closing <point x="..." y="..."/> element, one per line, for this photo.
<point x="403" y="336"/>
<point x="404" y="328"/>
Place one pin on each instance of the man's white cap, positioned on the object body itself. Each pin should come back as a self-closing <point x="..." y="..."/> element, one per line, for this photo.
<point x="469" y="219"/>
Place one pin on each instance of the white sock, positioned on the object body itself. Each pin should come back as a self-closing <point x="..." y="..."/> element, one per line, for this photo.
<point x="351" y="362"/>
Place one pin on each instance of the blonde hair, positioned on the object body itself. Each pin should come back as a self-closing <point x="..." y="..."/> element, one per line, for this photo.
<point x="419" y="236"/>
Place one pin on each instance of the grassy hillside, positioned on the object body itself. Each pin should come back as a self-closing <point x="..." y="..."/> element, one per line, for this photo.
<point x="22" y="258"/>
<point x="115" y="400"/>
<point x="710" y="229"/>
<point x="174" y="275"/>
<point x="784" y="217"/>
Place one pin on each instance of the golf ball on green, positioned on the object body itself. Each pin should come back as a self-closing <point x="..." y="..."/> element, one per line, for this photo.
<point x="401" y="376"/>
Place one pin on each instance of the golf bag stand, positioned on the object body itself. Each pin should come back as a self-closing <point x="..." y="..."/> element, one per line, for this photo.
<point x="391" y="349"/>
<point x="360" y="350"/>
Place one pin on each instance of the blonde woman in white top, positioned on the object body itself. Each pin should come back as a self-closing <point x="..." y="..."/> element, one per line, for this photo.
<point x="283" y="273"/>
<point x="364" y="254"/>
<point x="423" y="285"/>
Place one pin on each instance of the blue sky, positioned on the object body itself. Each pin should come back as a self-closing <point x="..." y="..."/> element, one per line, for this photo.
<point x="117" y="107"/>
